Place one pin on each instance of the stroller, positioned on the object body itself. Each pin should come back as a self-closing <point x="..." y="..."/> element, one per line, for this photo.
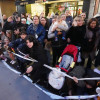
<point x="68" y="58"/>
<point x="66" y="63"/>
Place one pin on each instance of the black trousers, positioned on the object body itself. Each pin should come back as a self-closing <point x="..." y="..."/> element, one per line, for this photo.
<point x="57" y="51"/>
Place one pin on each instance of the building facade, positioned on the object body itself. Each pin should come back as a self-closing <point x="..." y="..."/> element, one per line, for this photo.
<point x="7" y="7"/>
<point x="36" y="7"/>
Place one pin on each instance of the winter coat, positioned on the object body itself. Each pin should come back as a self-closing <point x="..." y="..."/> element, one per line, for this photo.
<point x="16" y="43"/>
<point x="14" y="37"/>
<point x="17" y="25"/>
<point x="79" y="72"/>
<point x="8" y="26"/>
<point x="40" y="32"/>
<point x="36" y="52"/>
<point x="76" y="34"/>
<point x="89" y="47"/>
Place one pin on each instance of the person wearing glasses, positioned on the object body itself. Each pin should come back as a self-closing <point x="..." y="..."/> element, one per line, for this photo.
<point x="37" y="30"/>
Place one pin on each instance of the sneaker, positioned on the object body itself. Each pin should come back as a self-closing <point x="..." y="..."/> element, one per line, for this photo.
<point x="13" y="62"/>
<point x="56" y="39"/>
<point x="63" y="38"/>
<point x="5" y="59"/>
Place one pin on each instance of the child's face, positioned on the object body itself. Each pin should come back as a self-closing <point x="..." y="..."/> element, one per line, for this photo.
<point x="59" y="20"/>
<point x="23" y="36"/>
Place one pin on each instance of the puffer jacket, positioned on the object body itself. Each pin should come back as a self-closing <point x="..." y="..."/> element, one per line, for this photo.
<point x="40" y="32"/>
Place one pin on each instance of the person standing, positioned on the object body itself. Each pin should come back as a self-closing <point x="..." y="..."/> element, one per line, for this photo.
<point x="37" y="30"/>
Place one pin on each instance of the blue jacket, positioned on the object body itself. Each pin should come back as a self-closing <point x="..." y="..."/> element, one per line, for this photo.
<point x="16" y="43"/>
<point x="69" y="20"/>
<point x="40" y="32"/>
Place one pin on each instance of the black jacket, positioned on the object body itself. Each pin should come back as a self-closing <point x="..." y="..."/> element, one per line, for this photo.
<point x="8" y="26"/>
<point x="36" y="52"/>
<point x="76" y="34"/>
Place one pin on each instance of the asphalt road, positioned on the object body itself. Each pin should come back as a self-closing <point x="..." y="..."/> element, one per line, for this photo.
<point x="13" y="87"/>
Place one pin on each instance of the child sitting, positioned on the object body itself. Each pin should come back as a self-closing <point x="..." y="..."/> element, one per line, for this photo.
<point x="59" y="26"/>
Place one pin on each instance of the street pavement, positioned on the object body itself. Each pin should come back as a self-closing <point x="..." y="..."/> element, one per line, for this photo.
<point x="14" y="87"/>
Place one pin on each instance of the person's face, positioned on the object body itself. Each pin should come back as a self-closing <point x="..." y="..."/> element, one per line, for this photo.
<point x="63" y="17"/>
<point x="23" y="22"/>
<point x="43" y="21"/>
<point x="23" y="36"/>
<point x="83" y="15"/>
<point x="79" y="22"/>
<point x="6" y="41"/>
<point x="93" y="24"/>
<point x="59" y="20"/>
<point x="29" y="15"/>
<point x="10" y="19"/>
<point x="36" y="20"/>
<point x="53" y="21"/>
<point x="4" y="17"/>
<point x="22" y="16"/>
<point x="29" y="44"/>
<point x="16" y="31"/>
<point x="67" y="13"/>
<point x="8" y="34"/>
<point x="18" y="19"/>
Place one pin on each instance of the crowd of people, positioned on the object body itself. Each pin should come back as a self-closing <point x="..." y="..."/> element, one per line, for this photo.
<point x="44" y="39"/>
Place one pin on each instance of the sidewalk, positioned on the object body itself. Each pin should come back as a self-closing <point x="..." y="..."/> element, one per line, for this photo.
<point x="13" y="87"/>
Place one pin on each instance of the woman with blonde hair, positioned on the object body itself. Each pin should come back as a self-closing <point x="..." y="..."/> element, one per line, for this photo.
<point x="75" y="34"/>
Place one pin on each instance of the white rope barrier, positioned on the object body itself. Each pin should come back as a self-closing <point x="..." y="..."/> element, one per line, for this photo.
<point x="79" y="97"/>
<point x="49" y="67"/>
<point x="93" y="78"/>
<point x="53" y="96"/>
<point x="64" y="74"/>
